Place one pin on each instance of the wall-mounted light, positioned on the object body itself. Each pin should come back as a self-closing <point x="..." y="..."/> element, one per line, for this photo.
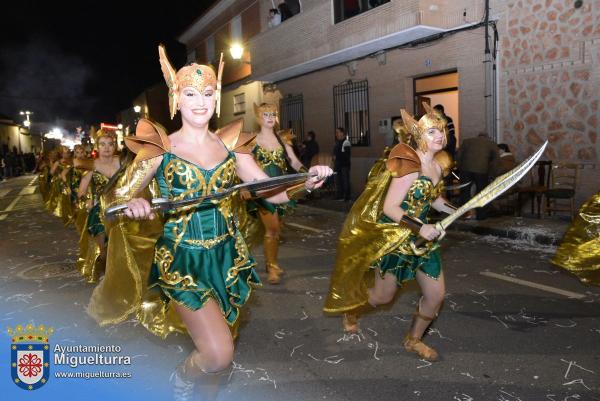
<point x="237" y="51"/>
<point x="137" y="108"/>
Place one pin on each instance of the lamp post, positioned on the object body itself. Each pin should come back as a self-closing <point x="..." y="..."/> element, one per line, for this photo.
<point x="26" y="123"/>
<point x="137" y="109"/>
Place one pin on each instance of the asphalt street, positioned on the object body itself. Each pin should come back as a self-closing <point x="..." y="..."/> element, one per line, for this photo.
<point x="513" y="327"/>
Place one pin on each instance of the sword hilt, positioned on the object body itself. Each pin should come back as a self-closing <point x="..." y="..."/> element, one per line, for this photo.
<point x="156" y="204"/>
<point x="417" y="246"/>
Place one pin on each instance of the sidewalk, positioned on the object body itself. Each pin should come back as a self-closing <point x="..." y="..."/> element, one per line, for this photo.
<point x="545" y="231"/>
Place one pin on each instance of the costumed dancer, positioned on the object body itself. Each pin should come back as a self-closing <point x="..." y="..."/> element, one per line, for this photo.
<point x="52" y="178"/>
<point x="44" y="176"/>
<point x="579" y="251"/>
<point x="63" y="208"/>
<point x="72" y="177"/>
<point x="202" y="267"/>
<point x="130" y="247"/>
<point x="92" y="252"/>
<point x="374" y="253"/>
<point x="273" y="152"/>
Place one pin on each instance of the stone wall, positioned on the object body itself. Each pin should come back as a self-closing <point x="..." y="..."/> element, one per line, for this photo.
<point x="549" y="80"/>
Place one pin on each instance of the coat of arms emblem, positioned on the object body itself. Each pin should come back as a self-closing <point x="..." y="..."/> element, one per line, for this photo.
<point x="30" y="355"/>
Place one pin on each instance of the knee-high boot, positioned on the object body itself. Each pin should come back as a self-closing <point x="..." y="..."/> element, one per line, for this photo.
<point x="271" y="248"/>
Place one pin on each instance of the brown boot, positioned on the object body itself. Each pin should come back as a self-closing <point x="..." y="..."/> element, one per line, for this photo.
<point x="271" y="247"/>
<point x="350" y="323"/>
<point x="414" y="344"/>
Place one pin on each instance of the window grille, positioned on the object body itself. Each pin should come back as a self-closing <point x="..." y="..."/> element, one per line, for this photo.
<point x="351" y="111"/>
<point x="291" y="115"/>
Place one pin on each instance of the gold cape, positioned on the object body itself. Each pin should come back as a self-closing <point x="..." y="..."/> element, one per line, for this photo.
<point x="362" y="241"/>
<point x="579" y="251"/>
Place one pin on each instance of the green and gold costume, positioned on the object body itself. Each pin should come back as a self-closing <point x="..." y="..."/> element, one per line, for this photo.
<point x="89" y="250"/>
<point x="579" y="251"/>
<point x="369" y="239"/>
<point x="199" y="252"/>
<point x="274" y="163"/>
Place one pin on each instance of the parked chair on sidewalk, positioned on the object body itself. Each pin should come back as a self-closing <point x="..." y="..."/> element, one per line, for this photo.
<point x="539" y="182"/>
<point x="560" y="196"/>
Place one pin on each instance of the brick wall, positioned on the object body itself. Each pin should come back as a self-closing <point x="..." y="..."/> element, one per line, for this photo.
<point x="390" y="88"/>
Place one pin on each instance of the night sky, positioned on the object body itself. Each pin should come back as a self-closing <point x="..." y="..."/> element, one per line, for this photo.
<point x="86" y="60"/>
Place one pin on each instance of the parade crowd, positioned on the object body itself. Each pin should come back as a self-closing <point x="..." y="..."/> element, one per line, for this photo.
<point x="190" y="268"/>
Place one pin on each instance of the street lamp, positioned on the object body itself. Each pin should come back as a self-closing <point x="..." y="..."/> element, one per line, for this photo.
<point x="26" y="123"/>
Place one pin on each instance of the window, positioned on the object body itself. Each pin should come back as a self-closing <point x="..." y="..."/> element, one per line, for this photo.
<point x="344" y="9"/>
<point x="292" y="114"/>
<point x="351" y="110"/>
<point x="239" y="103"/>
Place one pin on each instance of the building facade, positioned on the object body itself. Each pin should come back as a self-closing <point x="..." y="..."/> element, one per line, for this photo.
<point x="355" y="64"/>
<point x="15" y="138"/>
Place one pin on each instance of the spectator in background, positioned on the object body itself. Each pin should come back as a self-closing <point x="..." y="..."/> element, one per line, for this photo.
<point x="2" y="168"/>
<point x="274" y="18"/>
<point x="341" y="163"/>
<point x="310" y="148"/>
<point x="477" y="158"/>
<point x="506" y="161"/>
<point x="451" y="145"/>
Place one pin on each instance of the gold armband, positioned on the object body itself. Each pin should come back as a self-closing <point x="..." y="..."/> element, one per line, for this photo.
<point x="303" y="169"/>
<point x="297" y="191"/>
<point x="129" y="184"/>
<point x="412" y="223"/>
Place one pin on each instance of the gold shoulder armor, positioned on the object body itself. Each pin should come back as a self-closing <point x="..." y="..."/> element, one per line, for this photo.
<point x="230" y="133"/>
<point x="150" y="140"/>
<point x="445" y="161"/>
<point x="245" y="143"/>
<point x="403" y="160"/>
<point x="84" y="164"/>
<point x="287" y="136"/>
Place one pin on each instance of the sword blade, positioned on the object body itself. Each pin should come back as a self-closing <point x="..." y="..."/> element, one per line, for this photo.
<point x="252" y="186"/>
<point x="496" y="188"/>
<point x="165" y="204"/>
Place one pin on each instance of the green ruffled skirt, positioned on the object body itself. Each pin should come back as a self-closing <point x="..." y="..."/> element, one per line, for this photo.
<point x="94" y="223"/>
<point x="404" y="266"/>
<point x="191" y="275"/>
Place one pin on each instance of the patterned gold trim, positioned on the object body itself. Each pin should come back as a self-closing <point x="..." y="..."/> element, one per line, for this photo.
<point x="265" y="157"/>
<point x="207" y="243"/>
<point x="163" y="259"/>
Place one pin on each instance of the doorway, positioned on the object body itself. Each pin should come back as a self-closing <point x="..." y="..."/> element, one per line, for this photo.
<point x="439" y="89"/>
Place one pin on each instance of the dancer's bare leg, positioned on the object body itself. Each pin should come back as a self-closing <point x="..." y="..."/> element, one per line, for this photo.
<point x="214" y="347"/>
<point x="384" y="289"/>
<point x="382" y="293"/>
<point x="433" y="295"/>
